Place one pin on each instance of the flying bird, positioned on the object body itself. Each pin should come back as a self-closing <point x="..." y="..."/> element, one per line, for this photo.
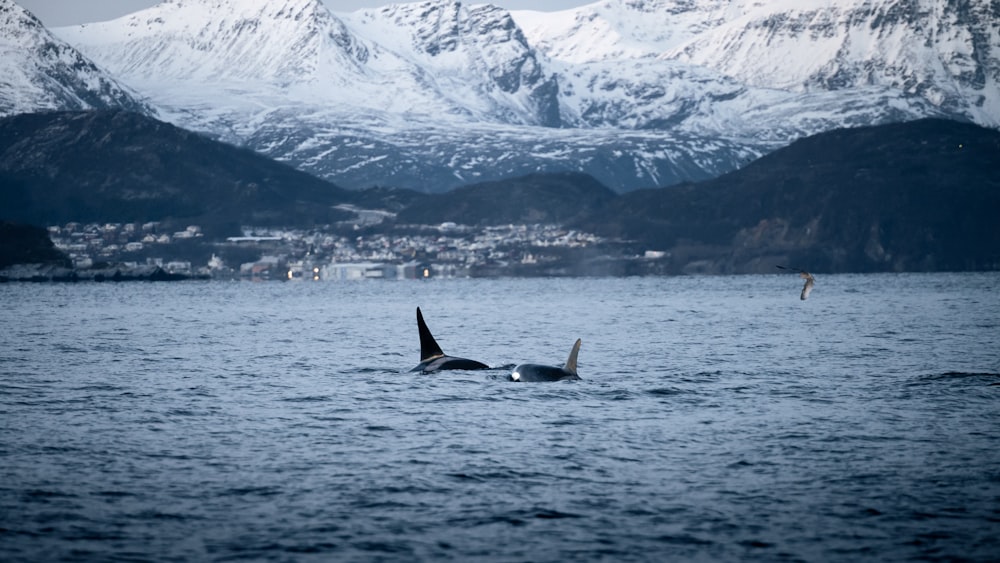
<point x="810" y="281"/>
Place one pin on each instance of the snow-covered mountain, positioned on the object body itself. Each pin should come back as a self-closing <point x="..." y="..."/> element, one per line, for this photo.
<point x="863" y="60"/>
<point x="476" y="56"/>
<point x="41" y="72"/>
<point x="434" y="94"/>
<point x="944" y="51"/>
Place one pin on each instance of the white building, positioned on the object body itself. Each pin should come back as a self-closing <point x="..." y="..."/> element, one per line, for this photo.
<point x="359" y="271"/>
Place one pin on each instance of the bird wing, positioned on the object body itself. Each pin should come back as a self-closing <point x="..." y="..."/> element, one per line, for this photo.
<point x="808" y="287"/>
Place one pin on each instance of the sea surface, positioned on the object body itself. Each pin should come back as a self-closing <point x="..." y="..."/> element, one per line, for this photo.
<point x="717" y="419"/>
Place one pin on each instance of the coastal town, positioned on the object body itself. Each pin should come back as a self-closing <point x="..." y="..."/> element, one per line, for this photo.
<point x="447" y="250"/>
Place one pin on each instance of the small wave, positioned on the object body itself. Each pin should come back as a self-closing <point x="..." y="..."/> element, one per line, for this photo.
<point x="43" y="495"/>
<point x="756" y="544"/>
<point x="496" y="475"/>
<point x="250" y="491"/>
<point x="959" y="376"/>
<point x="99" y="387"/>
<point x="522" y="517"/>
<point x="563" y="422"/>
<point x="320" y="547"/>
<point x="113" y="494"/>
<point x="683" y="540"/>
<point x="366" y="370"/>
<point x="505" y="376"/>
<point x="666" y="391"/>
<point x="450" y="399"/>
<point x="308" y="399"/>
<point x="95" y="535"/>
<point x="383" y="547"/>
<point x="465" y="477"/>
<point x="616" y="395"/>
<point x="550" y="514"/>
<point x="184" y="412"/>
<point x="164" y="516"/>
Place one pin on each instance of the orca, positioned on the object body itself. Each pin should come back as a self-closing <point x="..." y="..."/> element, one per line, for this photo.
<point x="432" y="358"/>
<point x="537" y="372"/>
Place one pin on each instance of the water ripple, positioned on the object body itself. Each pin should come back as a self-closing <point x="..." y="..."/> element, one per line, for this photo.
<point x="716" y="419"/>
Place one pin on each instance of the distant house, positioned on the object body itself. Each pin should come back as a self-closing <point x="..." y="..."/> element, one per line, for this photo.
<point x="193" y="231"/>
<point x="216" y="263"/>
<point x="358" y="271"/>
<point x="268" y="267"/>
<point x="251" y="239"/>
<point x="417" y="271"/>
<point x="303" y="270"/>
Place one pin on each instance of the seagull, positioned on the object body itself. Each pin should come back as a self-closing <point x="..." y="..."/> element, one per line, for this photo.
<point x="810" y="281"/>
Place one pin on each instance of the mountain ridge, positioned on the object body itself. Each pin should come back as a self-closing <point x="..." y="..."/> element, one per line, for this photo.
<point x="437" y="94"/>
<point x="478" y="93"/>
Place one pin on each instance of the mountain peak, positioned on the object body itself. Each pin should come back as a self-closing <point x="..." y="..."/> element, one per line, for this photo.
<point x="42" y="72"/>
<point x="460" y="46"/>
<point x="263" y="41"/>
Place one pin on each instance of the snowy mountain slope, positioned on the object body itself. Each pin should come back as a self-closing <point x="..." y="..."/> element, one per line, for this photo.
<point x="947" y="52"/>
<point x="477" y="55"/>
<point x="434" y="94"/>
<point x="296" y="50"/>
<point x="937" y="55"/>
<point x="434" y="157"/>
<point x="41" y="72"/>
<point x="652" y="94"/>
<point x="621" y="29"/>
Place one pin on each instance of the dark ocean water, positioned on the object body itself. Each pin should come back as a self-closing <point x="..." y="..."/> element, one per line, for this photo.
<point x="718" y="418"/>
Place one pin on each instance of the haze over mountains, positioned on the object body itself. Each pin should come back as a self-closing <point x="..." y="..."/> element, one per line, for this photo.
<point x="433" y="95"/>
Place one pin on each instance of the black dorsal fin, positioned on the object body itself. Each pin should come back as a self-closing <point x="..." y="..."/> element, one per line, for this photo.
<point x="428" y="346"/>
<point x="571" y="361"/>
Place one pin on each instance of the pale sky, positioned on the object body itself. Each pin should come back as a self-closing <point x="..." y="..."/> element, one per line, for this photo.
<point x="55" y="13"/>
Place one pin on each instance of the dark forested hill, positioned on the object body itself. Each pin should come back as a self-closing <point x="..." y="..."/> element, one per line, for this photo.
<point x="27" y="244"/>
<point x="120" y="166"/>
<point x="923" y="195"/>
<point x="536" y="198"/>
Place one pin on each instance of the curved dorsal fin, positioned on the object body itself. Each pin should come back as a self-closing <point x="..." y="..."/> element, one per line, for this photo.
<point x="428" y="346"/>
<point x="571" y="361"/>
